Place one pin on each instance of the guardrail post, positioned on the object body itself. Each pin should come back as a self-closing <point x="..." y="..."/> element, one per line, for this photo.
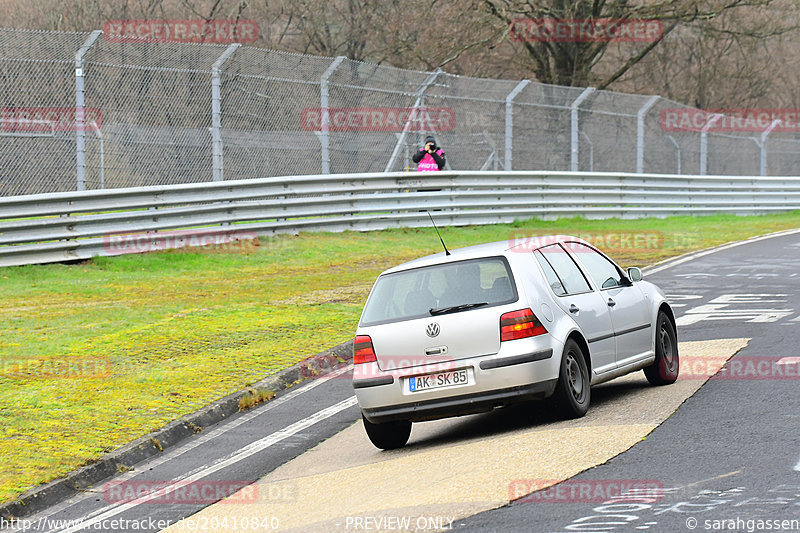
<point x="510" y="121"/>
<point x="216" y="112"/>
<point x="640" y="132"/>
<point x="402" y="138"/>
<point x="80" y="114"/>
<point x="574" y="127"/>
<point x="325" y="118"/>
<point x="704" y="142"/>
<point x="763" y="146"/>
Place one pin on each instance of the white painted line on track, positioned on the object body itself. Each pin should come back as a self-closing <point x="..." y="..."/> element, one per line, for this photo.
<point x="191" y="445"/>
<point x="219" y="464"/>
<point x="669" y="263"/>
<point x="411" y="482"/>
<point x="797" y="467"/>
<point x="238" y="422"/>
<point x="715" y="478"/>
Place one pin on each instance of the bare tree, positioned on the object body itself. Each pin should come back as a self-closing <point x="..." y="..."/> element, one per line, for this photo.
<point x="722" y="63"/>
<point x="710" y="52"/>
<point x="430" y="34"/>
<point x="575" y="63"/>
<point x="416" y="34"/>
<point x="323" y="27"/>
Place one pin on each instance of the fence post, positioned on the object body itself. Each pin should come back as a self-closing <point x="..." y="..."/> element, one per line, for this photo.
<point x="326" y="117"/>
<point x="640" y="132"/>
<point x="574" y="127"/>
<point x="216" y="112"/>
<point x="704" y="142"/>
<point x="591" y="150"/>
<point x="402" y="138"/>
<point x="80" y="115"/>
<point x="101" y="166"/>
<point x="677" y="147"/>
<point x="510" y="121"/>
<point x="763" y="146"/>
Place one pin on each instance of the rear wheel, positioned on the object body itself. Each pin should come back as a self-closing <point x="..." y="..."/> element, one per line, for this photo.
<point x="664" y="369"/>
<point x="389" y="435"/>
<point x="573" y="391"/>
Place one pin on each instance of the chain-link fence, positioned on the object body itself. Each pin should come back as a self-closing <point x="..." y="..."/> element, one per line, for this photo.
<point x="81" y="112"/>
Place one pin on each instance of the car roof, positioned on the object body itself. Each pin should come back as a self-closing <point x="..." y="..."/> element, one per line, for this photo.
<point x="490" y="249"/>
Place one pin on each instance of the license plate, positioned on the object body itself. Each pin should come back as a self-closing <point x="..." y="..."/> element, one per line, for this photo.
<point x="442" y="379"/>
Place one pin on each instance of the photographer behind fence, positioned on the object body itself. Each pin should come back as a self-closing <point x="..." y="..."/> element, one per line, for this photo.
<point x="429" y="158"/>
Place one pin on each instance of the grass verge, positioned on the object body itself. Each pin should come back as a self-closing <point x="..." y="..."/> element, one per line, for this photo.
<point x="96" y="354"/>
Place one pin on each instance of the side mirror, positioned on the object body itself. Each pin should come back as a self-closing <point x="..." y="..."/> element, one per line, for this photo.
<point x="635" y="274"/>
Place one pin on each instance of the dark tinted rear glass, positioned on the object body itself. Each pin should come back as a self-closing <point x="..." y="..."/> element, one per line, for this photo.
<point x="413" y="293"/>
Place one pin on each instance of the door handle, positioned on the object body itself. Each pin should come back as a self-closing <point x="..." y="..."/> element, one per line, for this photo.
<point x="573" y="308"/>
<point x="611" y="303"/>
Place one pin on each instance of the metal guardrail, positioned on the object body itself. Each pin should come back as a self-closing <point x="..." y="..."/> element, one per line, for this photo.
<point x="55" y="227"/>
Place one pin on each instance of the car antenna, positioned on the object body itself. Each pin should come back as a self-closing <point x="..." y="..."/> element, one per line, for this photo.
<point x="446" y="251"/>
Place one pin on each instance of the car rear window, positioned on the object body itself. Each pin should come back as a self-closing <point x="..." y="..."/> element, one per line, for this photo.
<point x="413" y="293"/>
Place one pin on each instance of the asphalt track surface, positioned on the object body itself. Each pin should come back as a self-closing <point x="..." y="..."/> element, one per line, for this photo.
<point x="729" y="458"/>
<point x="730" y="452"/>
<point x="456" y="468"/>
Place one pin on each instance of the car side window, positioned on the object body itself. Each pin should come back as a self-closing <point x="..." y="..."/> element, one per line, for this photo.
<point x="569" y="275"/>
<point x="550" y="275"/>
<point x="604" y="273"/>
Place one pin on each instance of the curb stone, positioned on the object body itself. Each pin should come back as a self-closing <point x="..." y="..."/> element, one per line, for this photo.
<point x="124" y="458"/>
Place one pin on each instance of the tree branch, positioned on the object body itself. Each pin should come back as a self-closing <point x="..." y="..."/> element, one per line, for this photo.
<point x="635" y="59"/>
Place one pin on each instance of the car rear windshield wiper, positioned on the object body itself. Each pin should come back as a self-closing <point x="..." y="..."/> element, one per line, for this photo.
<point x="455" y="308"/>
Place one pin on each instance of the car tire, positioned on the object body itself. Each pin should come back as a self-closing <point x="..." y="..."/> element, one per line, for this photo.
<point x="573" y="390"/>
<point x="665" y="368"/>
<point x="389" y="435"/>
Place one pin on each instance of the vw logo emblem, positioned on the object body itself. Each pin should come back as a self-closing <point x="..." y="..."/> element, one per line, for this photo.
<point x="432" y="330"/>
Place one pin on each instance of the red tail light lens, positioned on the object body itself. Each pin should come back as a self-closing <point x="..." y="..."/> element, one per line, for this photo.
<point x="520" y="324"/>
<point x="363" y="352"/>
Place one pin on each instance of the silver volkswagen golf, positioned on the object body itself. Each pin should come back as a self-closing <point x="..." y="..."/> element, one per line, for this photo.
<point x="489" y="325"/>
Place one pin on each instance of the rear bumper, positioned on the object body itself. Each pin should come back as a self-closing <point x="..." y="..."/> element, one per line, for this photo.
<point x="523" y="369"/>
<point x="460" y="405"/>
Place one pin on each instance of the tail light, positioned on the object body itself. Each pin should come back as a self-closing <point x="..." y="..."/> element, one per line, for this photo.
<point x="520" y="324"/>
<point x="363" y="352"/>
